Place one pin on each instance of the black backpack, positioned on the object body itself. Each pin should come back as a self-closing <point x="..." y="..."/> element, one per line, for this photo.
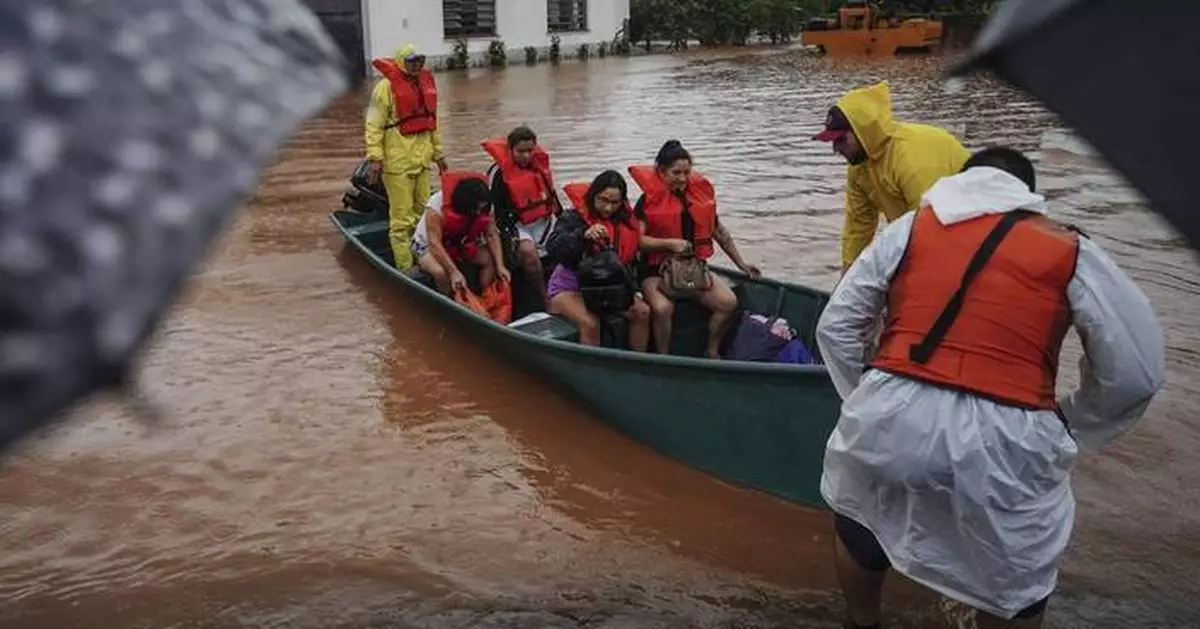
<point x="605" y="282"/>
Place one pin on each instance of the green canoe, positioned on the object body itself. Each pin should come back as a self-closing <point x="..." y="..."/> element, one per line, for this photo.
<point x="762" y="425"/>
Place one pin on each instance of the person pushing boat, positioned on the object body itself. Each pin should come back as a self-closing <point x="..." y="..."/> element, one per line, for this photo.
<point x="951" y="459"/>
<point x="891" y="163"/>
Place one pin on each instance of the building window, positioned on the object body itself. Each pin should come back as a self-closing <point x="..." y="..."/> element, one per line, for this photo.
<point x="468" y="18"/>
<point x="566" y="15"/>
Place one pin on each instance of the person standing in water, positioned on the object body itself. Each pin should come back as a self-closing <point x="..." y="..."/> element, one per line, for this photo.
<point x="402" y="138"/>
<point x="951" y="459"/>
<point x="891" y="163"/>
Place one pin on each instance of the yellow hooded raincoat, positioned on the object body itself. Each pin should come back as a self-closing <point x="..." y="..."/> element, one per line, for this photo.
<point x="903" y="161"/>
<point x="406" y="160"/>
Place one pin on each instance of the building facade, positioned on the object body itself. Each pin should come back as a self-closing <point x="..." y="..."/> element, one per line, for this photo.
<point x="366" y="29"/>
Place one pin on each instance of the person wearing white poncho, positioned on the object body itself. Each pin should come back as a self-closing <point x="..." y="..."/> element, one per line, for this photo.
<point x="952" y="456"/>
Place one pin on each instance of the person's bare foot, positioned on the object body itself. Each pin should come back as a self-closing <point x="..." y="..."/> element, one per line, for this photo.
<point x="713" y="354"/>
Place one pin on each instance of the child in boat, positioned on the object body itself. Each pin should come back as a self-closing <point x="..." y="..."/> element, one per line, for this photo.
<point x="456" y="229"/>
<point x="602" y="218"/>
<point x="523" y="194"/>
<point x="678" y="214"/>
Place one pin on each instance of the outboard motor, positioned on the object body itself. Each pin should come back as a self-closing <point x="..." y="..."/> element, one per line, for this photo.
<point x="605" y="283"/>
<point x="363" y="197"/>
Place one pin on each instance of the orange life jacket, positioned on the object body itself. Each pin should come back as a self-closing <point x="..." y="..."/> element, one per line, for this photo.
<point x="461" y="233"/>
<point x="1004" y="343"/>
<point x="415" y="97"/>
<point x="531" y="189"/>
<point x="664" y="209"/>
<point x="623" y="230"/>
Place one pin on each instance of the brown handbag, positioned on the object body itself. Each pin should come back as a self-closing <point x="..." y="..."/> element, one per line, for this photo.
<point x="685" y="276"/>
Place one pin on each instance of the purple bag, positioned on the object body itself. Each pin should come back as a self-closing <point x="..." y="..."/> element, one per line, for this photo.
<point x="795" y="353"/>
<point x="759" y="338"/>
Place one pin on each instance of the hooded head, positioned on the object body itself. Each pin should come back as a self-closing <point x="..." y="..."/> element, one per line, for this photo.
<point x="868" y="113"/>
<point x="409" y="59"/>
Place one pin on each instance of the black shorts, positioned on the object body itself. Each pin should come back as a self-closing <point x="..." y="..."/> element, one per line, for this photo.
<point x="865" y="550"/>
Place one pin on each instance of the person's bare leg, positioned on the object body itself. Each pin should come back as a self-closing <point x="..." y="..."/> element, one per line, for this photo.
<point x="721" y="301"/>
<point x="862" y="588"/>
<point x="639" y="325"/>
<point x="430" y="265"/>
<point x="532" y="266"/>
<point x="662" y="309"/>
<point x="570" y="304"/>
<point x="987" y="621"/>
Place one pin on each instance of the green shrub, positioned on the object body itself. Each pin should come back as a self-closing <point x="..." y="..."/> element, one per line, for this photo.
<point x="459" y="58"/>
<point x="497" y="57"/>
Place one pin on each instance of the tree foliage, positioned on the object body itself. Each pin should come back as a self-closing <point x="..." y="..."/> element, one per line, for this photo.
<point x="964" y="7"/>
<point x="712" y="22"/>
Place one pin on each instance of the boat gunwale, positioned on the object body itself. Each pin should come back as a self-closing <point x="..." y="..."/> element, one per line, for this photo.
<point x="705" y="364"/>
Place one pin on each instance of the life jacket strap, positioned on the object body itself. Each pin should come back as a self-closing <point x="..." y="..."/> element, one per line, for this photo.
<point x="923" y="351"/>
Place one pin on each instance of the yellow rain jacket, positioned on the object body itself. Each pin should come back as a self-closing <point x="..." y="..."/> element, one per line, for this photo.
<point x="401" y="155"/>
<point x="406" y="159"/>
<point x="903" y="161"/>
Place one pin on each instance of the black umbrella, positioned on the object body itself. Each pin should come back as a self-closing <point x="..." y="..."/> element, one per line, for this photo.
<point x="1125" y="75"/>
<point x="129" y="131"/>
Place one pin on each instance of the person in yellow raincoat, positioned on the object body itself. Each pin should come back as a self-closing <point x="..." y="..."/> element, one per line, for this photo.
<point x="891" y="163"/>
<point x="403" y="139"/>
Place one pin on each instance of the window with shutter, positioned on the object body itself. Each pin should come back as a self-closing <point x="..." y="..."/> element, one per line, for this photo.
<point x="566" y="15"/>
<point x="468" y="18"/>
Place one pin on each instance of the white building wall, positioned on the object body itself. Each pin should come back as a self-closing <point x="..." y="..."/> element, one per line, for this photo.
<point x="389" y="24"/>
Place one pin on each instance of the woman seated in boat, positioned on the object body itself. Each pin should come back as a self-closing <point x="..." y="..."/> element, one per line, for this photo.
<point x="457" y="229"/>
<point x="678" y="212"/>
<point x="523" y="194"/>
<point x="602" y="219"/>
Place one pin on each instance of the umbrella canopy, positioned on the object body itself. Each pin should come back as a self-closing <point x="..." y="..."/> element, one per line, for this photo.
<point x="1124" y="75"/>
<point x="129" y="132"/>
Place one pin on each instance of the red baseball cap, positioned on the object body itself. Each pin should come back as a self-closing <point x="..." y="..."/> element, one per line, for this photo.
<point x="837" y="126"/>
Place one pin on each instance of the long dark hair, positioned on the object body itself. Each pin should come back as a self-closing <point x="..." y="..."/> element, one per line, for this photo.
<point x="671" y="152"/>
<point x="604" y="181"/>
<point x="468" y="195"/>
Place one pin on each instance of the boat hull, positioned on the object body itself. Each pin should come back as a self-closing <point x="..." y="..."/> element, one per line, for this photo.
<point x="761" y="425"/>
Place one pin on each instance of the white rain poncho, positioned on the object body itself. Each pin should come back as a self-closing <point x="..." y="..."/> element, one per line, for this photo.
<point x="966" y="496"/>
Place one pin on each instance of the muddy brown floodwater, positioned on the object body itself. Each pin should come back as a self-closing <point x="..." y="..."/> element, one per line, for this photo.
<point x="334" y="456"/>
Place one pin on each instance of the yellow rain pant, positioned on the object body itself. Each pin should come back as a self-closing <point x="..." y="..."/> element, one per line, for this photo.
<point x="406" y="202"/>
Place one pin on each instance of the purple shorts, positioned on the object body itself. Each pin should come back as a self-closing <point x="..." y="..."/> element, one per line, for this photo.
<point x="562" y="280"/>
